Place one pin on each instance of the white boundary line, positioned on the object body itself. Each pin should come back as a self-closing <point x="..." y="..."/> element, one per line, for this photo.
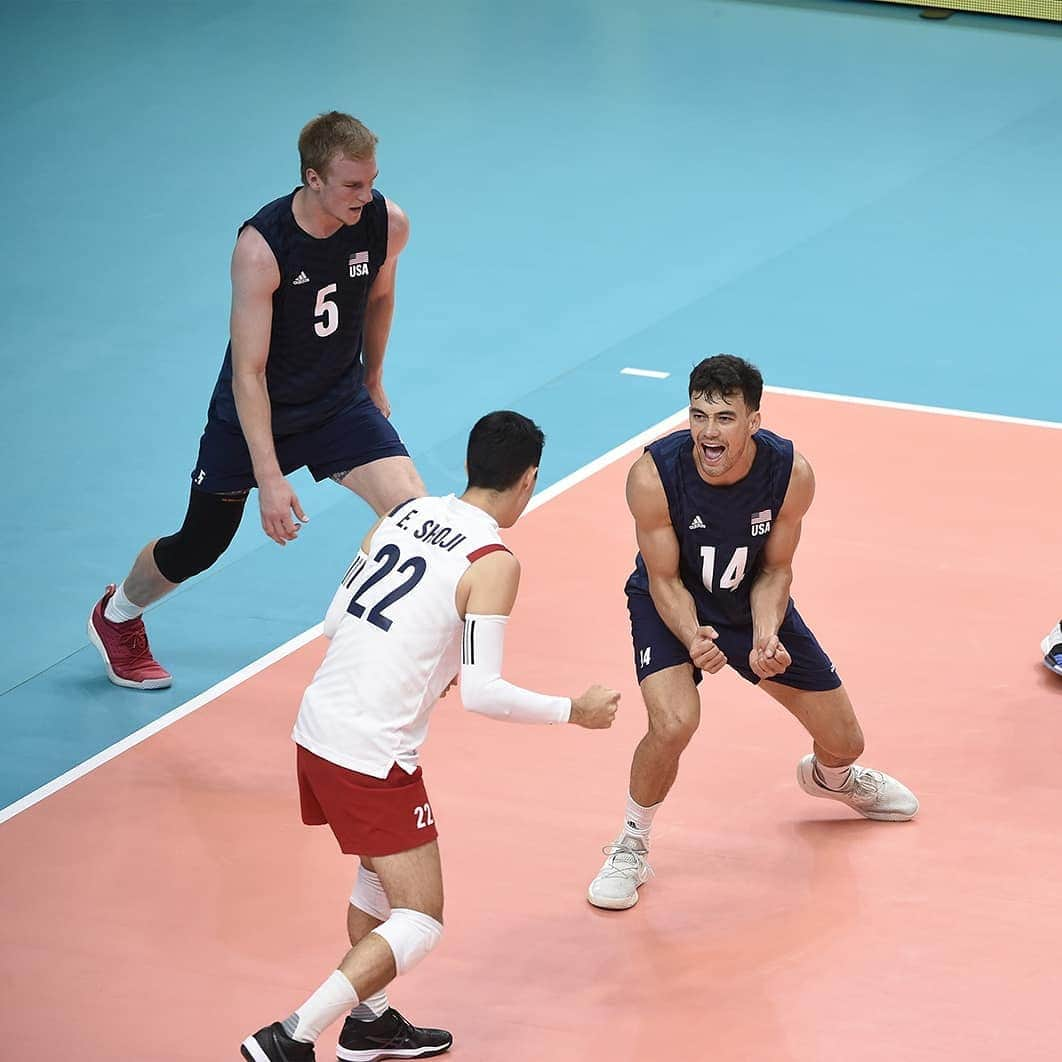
<point x="156" y="725"/>
<point x="653" y="374"/>
<point x="910" y="408"/>
<point x="297" y="642"/>
<point x="601" y="462"/>
<point x="540" y="499"/>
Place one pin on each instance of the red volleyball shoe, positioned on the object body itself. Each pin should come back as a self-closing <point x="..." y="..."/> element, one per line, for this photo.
<point x="125" y="650"/>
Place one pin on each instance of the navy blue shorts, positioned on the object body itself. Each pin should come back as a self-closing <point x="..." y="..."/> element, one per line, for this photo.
<point x="656" y="648"/>
<point x="356" y="435"/>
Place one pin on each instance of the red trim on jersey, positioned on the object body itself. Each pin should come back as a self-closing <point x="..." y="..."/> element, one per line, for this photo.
<point x="484" y="550"/>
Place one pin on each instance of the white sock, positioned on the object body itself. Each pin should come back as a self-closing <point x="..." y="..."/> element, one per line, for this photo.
<point x="331" y="1001"/>
<point x="371" y="1007"/>
<point x="638" y="821"/>
<point x="834" y="778"/>
<point x="120" y="609"/>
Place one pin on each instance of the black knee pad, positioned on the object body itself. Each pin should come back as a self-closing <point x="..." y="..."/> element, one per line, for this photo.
<point x="209" y="526"/>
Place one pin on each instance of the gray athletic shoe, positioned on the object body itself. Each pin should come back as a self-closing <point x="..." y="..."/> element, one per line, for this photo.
<point x="616" y="886"/>
<point x="873" y="794"/>
<point x="1051" y="647"/>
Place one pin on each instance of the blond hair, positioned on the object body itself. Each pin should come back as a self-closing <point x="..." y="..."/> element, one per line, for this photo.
<point x="333" y="135"/>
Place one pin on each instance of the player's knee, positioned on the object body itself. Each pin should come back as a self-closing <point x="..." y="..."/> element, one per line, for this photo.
<point x="673" y="729"/>
<point x="209" y="527"/>
<point x="410" y="935"/>
<point x="369" y="896"/>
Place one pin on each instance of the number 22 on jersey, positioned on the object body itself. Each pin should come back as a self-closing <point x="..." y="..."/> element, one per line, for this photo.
<point x="388" y="558"/>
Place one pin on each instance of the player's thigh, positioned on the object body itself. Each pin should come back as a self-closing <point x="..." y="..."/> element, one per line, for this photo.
<point x="385" y="483"/>
<point x="413" y="879"/>
<point x="827" y="715"/>
<point x="672" y="702"/>
<point x="666" y="675"/>
<point x="223" y="464"/>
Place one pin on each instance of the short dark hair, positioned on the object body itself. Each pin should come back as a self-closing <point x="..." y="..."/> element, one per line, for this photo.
<point x="725" y="375"/>
<point x="501" y="447"/>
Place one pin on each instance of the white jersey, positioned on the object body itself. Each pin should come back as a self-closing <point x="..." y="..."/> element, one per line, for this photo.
<point x="396" y="637"/>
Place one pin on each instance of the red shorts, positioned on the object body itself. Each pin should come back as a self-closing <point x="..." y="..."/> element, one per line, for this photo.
<point x="369" y="816"/>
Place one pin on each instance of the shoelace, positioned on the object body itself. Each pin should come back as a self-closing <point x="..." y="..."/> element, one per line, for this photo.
<point x="135" y="641"/>
<point x="867" y="783"/>
<point x="636" y="861"/>
<point x="403" y="1031"/>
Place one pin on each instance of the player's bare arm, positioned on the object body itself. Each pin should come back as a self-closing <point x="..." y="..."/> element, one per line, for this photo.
<point x="770" y="591"/>
<point x="381" y="306"/>
<point x="659" y="547"/>
<point x="488" y="591"/>
<point x="255" y="277"/>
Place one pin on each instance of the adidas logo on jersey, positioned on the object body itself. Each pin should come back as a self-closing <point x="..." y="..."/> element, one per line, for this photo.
<point x="302" y="278"/>
<point x="697" y="524"/>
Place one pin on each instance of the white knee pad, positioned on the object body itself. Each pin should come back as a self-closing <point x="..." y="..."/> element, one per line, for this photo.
<point x="369" y="896"/>
<point x="410" y="936"/>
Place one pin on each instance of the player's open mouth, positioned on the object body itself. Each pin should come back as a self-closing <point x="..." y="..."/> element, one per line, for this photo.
<point x="712" y="453"/>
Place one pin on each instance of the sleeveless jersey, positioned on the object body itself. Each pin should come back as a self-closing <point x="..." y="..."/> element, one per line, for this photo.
<point x="398" y="642"/>
<point x="721" y="529"/>
<point x="314" y="367"/>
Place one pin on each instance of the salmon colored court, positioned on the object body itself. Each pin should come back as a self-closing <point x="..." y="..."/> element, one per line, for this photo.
<point x="169" y="903"/>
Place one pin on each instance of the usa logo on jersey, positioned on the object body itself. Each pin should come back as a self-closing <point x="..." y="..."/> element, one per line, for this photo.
<point x="761" y="523"/>
<point x="359" y="264"/>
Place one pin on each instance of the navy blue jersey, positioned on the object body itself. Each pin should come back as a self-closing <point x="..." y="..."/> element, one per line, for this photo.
<point x="314" y="368"/>
<point x="721" y="529"/>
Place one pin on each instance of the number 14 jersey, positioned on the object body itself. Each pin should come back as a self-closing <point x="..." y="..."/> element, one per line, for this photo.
<point x="721" y="530"/>
<point x="396" y="637"/>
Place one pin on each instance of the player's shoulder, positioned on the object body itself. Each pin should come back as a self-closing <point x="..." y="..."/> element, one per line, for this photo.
<point x="493" y="568"/>
<point x="646" y="497"/>
<point x="397" y="226"/>
<point x="255" y="266"/>
<point x="275" y="213"/>
<point x="802" y="466"/>
<point x="396" y="216"/>
<point x="672" y="443"/>
<point x="644" y="474"/>
<point x="773" y="441"/>
<point x="801" y="490"/>
<point x="494" y="557"/>
<point x="252" y="244"/>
